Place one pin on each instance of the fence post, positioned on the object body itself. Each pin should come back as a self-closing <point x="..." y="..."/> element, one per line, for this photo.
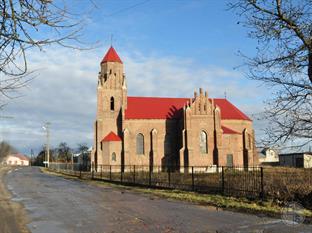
<point x="150" y="177"/>
<point x="261" y="183"/>
<point x="101" y="171"/>
<point x="80" y="168"/>
<point x="222" y="178"/>
<point x="110" y="172"/>
<point x="193" y="181"/>
<point x="133" y="174"/>
<point x="169" y="177"/>
<point x="120" y="174"/>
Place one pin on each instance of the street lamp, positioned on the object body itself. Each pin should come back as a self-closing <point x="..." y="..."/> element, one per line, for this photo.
<point x="46" y="127"/>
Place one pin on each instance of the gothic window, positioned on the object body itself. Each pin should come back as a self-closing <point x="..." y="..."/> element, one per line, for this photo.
<point x="229" y="160"/>
<point x="112" y="104"/>
<point x="203" y="142"/>
<point x="140" y="144"/>
<point x="248" y="143"/>
<point x="113" y="156"/>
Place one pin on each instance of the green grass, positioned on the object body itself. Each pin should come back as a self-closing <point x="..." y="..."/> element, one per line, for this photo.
<point x="229" y="203"/>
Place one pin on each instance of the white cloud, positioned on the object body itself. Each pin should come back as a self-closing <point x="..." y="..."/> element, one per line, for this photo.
<point x="64" y="93"/>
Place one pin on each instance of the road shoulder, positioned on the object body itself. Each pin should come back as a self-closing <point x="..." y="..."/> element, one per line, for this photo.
<point x="12" y="214"/>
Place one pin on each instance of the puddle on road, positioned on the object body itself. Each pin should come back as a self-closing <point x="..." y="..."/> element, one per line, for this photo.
<point x="19" y="199"/>
<point x="46" y="227"/>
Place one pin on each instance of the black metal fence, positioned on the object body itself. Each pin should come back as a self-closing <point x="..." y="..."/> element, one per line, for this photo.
<point x="231" y="181"/>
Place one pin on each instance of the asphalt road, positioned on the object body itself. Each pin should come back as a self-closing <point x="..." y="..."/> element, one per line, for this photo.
<point x="57" y="205"/>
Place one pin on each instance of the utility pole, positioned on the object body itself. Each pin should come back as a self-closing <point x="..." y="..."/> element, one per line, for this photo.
<point x="31" y="157"/>
<point x="46" y="127"/>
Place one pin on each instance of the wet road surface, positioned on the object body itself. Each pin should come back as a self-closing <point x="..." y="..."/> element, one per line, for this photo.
<point x="57" y="205"/>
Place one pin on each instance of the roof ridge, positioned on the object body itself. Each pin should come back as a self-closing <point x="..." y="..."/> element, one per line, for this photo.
<point x="158" y="97"/>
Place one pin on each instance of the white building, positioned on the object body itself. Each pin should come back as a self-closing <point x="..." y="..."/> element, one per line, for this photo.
<point x="303" y="160"/>
<point x="16" y="160"/>
<point x="268" y="155"/>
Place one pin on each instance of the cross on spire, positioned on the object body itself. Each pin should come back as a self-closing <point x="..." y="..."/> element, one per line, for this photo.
<point x="111" y="39"/>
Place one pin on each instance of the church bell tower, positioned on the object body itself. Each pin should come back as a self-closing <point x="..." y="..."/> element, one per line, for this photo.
<point x="111" y="100"/>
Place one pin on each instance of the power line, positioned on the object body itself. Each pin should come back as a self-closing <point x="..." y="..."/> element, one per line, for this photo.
<point x="127" y="8"/>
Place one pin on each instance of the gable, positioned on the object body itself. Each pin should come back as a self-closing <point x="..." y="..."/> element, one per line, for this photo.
<point x="111" y="137"/>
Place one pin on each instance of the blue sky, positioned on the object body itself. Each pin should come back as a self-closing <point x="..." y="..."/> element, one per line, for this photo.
<point x="169" y="48"/>
<point x="201" y="29"/>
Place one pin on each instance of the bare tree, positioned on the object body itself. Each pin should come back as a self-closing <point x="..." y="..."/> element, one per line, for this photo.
<point x="84" y="155"/>
<point x="25" y="24"/>
<point x="64" y="152"/>
<point x="283" y="61"/>
<point x="6" y="149"/>
<point x="83" y="148"/>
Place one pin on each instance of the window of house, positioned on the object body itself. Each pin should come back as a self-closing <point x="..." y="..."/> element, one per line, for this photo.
<point x="112" y="104"/>
<point x="113" y="156"/>
<point x="140" y="144"/>
<point x="203" y="142"/>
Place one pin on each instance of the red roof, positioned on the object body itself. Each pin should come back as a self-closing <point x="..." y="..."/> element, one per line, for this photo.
<point x="229" y="111"/>
<point x="154" y="108"/>
<point x="172" y="108"/>
<point x="227" y="130"/>
<point x="20" y="156"/>
<point x="111" y="56"/>
<point x="111" y="137"/>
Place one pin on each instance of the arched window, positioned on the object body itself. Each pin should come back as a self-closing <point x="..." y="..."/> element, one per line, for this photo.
<point x="140" y="144"/>
<point x="112" y="104"/>
<point x="203" y="142"/>
<point x="113" y="156"/>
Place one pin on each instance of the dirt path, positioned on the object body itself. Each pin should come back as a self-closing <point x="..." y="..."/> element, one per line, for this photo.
<point x="12" y="214"/>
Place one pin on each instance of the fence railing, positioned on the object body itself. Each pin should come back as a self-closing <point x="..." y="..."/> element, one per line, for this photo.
<point x="232" y="181"/>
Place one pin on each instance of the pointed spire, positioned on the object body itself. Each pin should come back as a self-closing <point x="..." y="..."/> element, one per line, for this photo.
<point x="111" y="56"/>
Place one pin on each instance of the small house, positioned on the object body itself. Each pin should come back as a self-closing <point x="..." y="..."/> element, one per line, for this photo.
<point x="16" y="160"/>
<point x="300" y="160"/>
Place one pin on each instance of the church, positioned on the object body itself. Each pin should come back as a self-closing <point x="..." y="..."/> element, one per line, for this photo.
<point x="165" y="132"/>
